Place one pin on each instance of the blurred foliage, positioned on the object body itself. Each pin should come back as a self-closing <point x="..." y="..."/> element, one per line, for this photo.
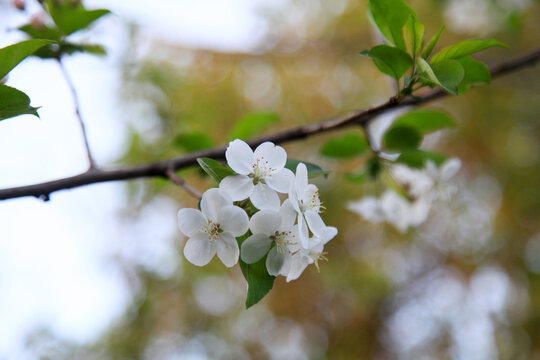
<point x="463" y="283"/>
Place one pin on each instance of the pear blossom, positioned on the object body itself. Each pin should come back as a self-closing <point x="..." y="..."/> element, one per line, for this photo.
<point x="301" y="257"/>
<point x="269" y="227"/>
<point x="260" y="174"/>
<point x="213" y="229"/>
<point x="305" y="200"/>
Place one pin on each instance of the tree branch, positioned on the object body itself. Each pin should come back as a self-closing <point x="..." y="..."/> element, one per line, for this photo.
<point x="163" y="168"/>
<point x="183" y="184"/>
<point x="91" y="162"/>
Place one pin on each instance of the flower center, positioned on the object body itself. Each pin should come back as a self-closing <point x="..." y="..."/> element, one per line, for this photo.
<point x="311" y="203"/>
<point x="261" y="169"/>
<point x="316" y="256"/>
<point x="213" y="230"/>
<point x="281" y="240"/>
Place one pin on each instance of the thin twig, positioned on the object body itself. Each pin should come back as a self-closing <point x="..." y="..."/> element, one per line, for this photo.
<point x="183" y="184"/>
<point x="91" y="162"/>
<point x="161" y="168"/>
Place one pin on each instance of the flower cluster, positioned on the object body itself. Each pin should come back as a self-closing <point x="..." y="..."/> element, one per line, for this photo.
<point x="422" y="187"/>
<point x="291" y="234"/>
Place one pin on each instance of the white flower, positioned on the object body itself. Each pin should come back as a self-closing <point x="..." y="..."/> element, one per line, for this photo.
<point x="270" y="227"/>
<point x="213" y="229"/>
<point x="441" y="175"/>
<point x="403" y="213"/>
<point x="261" y="174"/>
<point x="368" y="207"/>
<point x="301" y="257"/>
<point x="416" y="182"/>
<point x="304" y="198"/>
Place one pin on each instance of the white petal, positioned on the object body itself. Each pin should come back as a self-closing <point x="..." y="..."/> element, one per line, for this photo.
<point x="315" y="223"/>
<point x="298" y="265"/>
<point x="287" y="215"/>
<point x="303" y="232"/>
<point x="255" y="247"/>
<point x="238" y="187"/>
<point x="293" y="198"/>
<point x="275" y="155"/>
<point x="191" y="221"/>
<point x="450" y="168"/>
<point x="234" y="220"/>
<point x="286" y="267"/>
<point x="240" y="157"/>
<point x="301" y="179"/>
<point x="199" y="250"/>
<point x="396" y="210"/>
<point x="265" y="222"/>
<point x="328" y="235"/>
<point x="227" y="249"/>
<point x="274" y="261"/>
<point x="264" y="198"/>
<point x="281" y="180"/>
<point x="212" y="201"/>
<point x="369" y="208"/>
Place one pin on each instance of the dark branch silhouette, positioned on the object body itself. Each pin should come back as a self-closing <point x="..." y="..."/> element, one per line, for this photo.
<point x="163" y="168"/>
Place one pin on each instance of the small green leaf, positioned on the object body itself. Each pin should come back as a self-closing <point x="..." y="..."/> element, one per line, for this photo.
<point x="400" y="138"/>
<point x="389" y="16"/>
<point x="214" y="169"/>
<point x="425" y="121"/>
<point x="345" y="147"/>
<point x="11" y="55"/>
<point x="14" y="102"/>
<point x="71" y="16"/>
<point x="390" y="60"/>
<point x="414" y="33"/>
<point x="357" y="177"/>
<point x="42" y="32"/>
<point x="257" y="277"/>
<point x="446" y="74"/>
<point x="464" y="48"/>
<point x="450" y="73"/>
<point x="313" y="170"/>
<point x="431" y="44"/>
<point x="251" y="124"/>
<point x="417" y="158"/>
<point x="193" y="142"/>
<point x="476" y="72"/>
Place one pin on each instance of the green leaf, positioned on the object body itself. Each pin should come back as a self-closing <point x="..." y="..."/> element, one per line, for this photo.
<point x="357" y="177"/>
<point x="14" y="102"/>
<point x="417" y="158"/>
<point x="389" y="60"/>
<point x="313" y="170"/>
<point x="71" y="16"/>
<point x="400" y="138"/>
<point x="193" y="142"/>
<point x="214" y="169"/>
<point x="425" y="121"/>
<point x="414" y="33"/>
<point x="42" y="32"/>
<point x="257" y="277"/>
<point x="345" y="147"/>
<point x="374" y="167"/>
<point x="450" y="73"/>
<point x="476" y="72"/>
<point x="464" y="48"/>
<point x="446" y="74"/>
<point x="431" y="44"/>
<point x="389" y="16"/>
<point x="11" y="55"/>
<point x="252" y="124"/>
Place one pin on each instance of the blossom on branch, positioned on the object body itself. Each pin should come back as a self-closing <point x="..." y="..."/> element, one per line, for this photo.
<point x="260" y="174"/>
<point x="213" y="229"/>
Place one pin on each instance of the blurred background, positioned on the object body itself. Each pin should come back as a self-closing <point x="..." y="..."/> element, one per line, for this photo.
<point x="98" y="273"/>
